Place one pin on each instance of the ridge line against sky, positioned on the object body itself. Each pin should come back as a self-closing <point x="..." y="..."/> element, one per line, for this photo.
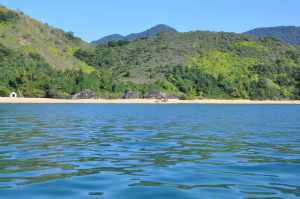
<point x="93" y="19"/>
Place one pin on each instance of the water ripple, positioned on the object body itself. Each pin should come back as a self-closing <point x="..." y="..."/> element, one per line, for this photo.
<point x="153" y="151"/>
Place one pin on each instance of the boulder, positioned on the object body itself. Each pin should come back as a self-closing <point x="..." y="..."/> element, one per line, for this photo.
<point x="131" y="95"/>
<point x="174" y="97"/>
<point x="85" y="94"/>
<point x="156" y="95"/>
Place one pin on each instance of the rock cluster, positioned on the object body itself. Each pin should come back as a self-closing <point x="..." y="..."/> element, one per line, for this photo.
<point x="156" y="95"/>
<point x="85" y="94"/>
<point x="131" y="95"/>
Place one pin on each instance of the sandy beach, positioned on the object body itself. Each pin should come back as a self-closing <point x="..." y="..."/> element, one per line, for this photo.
<point x="7" y="100"/>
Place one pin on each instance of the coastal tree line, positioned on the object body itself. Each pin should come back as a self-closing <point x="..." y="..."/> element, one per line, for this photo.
<point x="30" y="76"/>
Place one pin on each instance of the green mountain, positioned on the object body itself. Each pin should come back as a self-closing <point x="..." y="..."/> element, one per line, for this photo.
<point x="289" y="34"/>
<point x="150" y="33"/>
<point x="37" y="60"/>
<point x="204" y="64"/>
<point x="40" y="61"/>
<point x="20" y="32"/>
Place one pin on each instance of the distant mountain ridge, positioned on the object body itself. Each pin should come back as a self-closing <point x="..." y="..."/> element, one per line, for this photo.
<point x="150" y="33"/>
<point x="289" y="34"/>
<point x="106" y="39"/>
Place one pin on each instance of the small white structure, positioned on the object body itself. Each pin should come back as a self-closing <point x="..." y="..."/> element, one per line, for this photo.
<point x="13" y="95"/>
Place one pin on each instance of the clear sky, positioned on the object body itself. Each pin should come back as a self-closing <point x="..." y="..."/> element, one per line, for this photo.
<point x="92" y="19"/>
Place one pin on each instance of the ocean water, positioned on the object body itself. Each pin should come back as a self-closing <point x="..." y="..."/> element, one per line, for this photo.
<point x="149" y="151"/>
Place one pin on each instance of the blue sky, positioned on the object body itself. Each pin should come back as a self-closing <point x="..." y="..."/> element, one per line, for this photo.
<point x="92" y="19"/>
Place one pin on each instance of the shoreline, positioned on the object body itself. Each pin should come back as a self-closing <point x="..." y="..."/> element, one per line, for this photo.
<point x="7" y="100"/>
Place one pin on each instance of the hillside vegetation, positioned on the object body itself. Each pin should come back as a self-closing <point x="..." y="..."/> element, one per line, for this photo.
<point x="289" y="34"/>
<point x="147" y="60"/>
<point x="204" y="64"/>
<point x="40" y="61"/>
<point x="18" y="31"/>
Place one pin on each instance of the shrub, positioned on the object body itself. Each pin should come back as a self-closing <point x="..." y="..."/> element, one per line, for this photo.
<point x="4" y="92"/>
<point x="7" y="16"/>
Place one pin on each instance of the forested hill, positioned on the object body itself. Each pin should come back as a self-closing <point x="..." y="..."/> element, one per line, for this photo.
<point x="21" y="32"/>
<point x="37" y="60"/>
<point x="204" y="64"/>
<point x="289" y="34"/>
<point x="150" y="33"/>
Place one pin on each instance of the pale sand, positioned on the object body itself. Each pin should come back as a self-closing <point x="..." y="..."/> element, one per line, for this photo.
<point x="7" y="100"/>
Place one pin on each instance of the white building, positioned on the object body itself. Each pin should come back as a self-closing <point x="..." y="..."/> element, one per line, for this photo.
<point x="13" y="95"/>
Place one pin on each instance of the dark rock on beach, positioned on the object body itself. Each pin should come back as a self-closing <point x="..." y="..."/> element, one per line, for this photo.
<point x="131" y="95"/>
<point x="85" y="94"/>
<point x="156" y="95"/>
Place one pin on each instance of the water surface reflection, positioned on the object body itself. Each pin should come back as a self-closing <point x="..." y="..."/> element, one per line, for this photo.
<point x="154" y="151"/>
